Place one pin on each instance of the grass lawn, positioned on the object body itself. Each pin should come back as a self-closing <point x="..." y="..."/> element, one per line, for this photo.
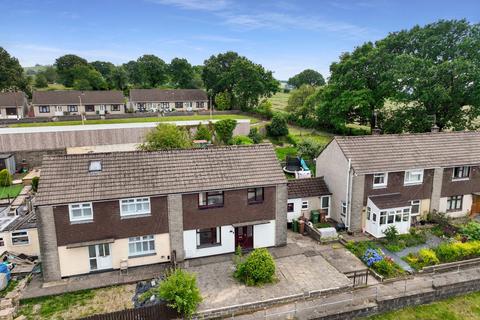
<point x="279" y="101"/>
<point x="54" y="86"/>
<point x="283" y="152"/>
<point x="10" y="191"/>
<point x="11" y="285"/>
<point x="137" y="120"/>
<point x="79" y="304"/>
<point x="459" y="308"/>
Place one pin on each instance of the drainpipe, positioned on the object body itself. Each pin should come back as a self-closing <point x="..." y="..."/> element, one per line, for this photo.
<point x="347" y="198"/>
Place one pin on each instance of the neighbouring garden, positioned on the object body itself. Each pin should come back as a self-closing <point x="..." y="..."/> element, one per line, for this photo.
<point x="7" y="188"/>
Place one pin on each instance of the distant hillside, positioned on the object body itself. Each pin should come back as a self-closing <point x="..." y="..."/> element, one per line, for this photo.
<point x="35" y="69"/>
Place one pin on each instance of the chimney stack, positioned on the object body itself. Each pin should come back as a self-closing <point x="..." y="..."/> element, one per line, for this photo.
<point x="376" y="131"/>
<point x="435" y="129"/>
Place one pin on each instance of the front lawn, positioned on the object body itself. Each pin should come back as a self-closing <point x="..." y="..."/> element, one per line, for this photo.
<point x="137" y="120"/>
<point x="464" y="307"/>
<point x="279" y="101"/>
<point x="10" y="191"/>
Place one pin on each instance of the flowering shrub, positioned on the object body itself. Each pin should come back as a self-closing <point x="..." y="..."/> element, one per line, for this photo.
<point x="371" y="256"/>
<point x="424" y="257"/>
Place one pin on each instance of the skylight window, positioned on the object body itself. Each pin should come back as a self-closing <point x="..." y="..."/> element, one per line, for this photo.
<point x="95" y="166"/>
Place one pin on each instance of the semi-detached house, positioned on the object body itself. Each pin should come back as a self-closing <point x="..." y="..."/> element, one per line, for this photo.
<point x="382" y="180"/>
<point x="98" y="211"/>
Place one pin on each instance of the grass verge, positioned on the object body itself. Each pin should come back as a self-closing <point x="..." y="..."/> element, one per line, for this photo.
<point x="10" y="191"/>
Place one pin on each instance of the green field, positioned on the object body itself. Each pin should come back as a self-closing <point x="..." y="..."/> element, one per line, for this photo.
<point x="279" y="101"/>
<point x="136" y="120"/>
<point x="459" y="308"/>
<point x="10" y="191"/>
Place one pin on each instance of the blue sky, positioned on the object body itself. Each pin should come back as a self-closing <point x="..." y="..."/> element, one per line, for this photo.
<point x="284" y="36"/>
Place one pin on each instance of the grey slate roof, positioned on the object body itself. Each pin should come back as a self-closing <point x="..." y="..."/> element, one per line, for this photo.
<point x="391" y="200"/>
<point x="398" y="152"/>
<point x="160" y="95"/>
<point x="65" y="178"/>
<point x="65" y="97"/>
<point x="308" y="187"/>
<point x="7" y="99"/>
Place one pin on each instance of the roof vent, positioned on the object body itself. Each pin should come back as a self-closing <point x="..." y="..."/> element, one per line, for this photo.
<point x="435" y="128"/>
<point x="95" y="166"/>
<point x="376" y="131"/>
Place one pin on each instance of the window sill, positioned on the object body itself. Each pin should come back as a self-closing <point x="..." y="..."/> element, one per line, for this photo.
<point x="379" y="186"/>
<point x="210" y="207"/>
<point x="20" y="244"/>
<point x="407" y="184"/>
<point x="460" y="179"/>
<point x="454" y="210"/>
<point x="81" y="221"/>
<point x="204" y="246"/>
<point x="255" y="202"/>
<point x="143" y="255"/>
<point x="132" y="216"/>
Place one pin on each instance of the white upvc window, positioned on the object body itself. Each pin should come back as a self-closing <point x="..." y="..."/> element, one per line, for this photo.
<point x="134" y="206"/>
<point x="380" y="179"/>
<point x="20" y="238"/>
<point x="80" y="211"/>
<point x="304" y="204"/>
<point x="413" y="176"/>
<point x="325" y="204"/>
<point x="139" y="246"/>
<point x="415" y="207"/>
<point x="461" y="173"/>
<point x="344" y="209"/>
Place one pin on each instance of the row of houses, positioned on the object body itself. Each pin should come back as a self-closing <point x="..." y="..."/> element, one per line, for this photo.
<point x="15" y="105"/>
<point x="100" y="211"/>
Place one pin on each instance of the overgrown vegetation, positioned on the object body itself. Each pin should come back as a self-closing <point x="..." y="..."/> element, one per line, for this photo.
<point x="278" y="127"/>
<point x="5" y="178"/>
<point x="165" y="137"/>
<point x="256" y="269"/>
<point x="395" y="242"/>
<point x="224" y="130"/>
<point x="35" y="181"/>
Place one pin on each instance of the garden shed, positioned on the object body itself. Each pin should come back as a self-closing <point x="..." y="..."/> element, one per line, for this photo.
<point x="7" y="161"/>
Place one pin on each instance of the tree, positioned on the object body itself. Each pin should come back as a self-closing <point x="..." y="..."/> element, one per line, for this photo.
<point x="241" y="140"/>
<point x="244" y="81"/>
<point x="165" y="137"/>
<point x="41" y="81"/>
<point x="106" y="69"/>
<point x="181" y="292"/>
<point x="11" y="73"/>
<point x="297" y="98"/>
<point x="278" y="127"/>
<point x="224" y="130"/>
<point x="66" y="67"/>
<point x="5" y="178"/>
<point x="255" y="135"/>
<point x="87" y="78"/>
<point x="203" y="133"/>
<point x="149" y="71"/>
<point x="181" y="73"/>
<point x="119" y="78"/>
<point x="223" y="101"/>
<point x="309" y="148"/>
<point x="307" y="76"/>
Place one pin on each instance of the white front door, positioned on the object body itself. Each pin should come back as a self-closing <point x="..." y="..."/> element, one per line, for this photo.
<point x="100" y="257"/>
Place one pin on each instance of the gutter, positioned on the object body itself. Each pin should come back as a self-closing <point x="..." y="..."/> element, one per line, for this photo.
<point x="348" y="195"/>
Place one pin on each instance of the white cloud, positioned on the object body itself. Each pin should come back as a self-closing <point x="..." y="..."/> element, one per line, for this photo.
<point x="204" y="5"/>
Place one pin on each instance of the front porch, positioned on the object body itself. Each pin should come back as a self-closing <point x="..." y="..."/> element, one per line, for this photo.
<point x="385" y="211"/>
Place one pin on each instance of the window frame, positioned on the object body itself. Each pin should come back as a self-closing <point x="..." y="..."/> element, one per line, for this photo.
<point x="148" y="239"/>
<point x="458" y="200"/>
<point x="90" y="105"/>
<point x="412" y="204"/>
<point x="207" y="195"/>
<point x="343" y="209"/>
<point x="44" y="109"/>
<point x="290" y="207"/>
<point x="81" y="219"/>
<point x="329" y="199"/>
<point x="136" y="201"/>
<point x="462" y="169"/>
<point x="218" y="237"/>
<point x="72" y="108"/>
<point x="305" y="205"/>
<point x="409" y="174"/>
<point x="256" y="198"/>
<point x="179" y="105"/>
<point x="12" y="237"/>
<point x="2" y="242"/>
<point x="385" y="180"/>
<point x="115" y="107"/>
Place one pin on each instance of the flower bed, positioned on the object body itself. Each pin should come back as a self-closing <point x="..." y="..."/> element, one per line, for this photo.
<point x="374" y="258"/>
<point x="444" y="253"/>
<point x="395" y="242"/>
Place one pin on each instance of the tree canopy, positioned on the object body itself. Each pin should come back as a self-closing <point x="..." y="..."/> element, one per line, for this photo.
<point x="11" y="73"/>
<point x="165" y="137"/>
<point x="411" y="79"/>
<point x="181" y="73"/>
<point x="307" y="76"/>
<point x="242" y="80"/>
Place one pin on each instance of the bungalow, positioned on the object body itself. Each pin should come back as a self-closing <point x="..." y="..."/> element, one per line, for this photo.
<point x="100" y="211"/>
<point x="74" y="102"/>
<point x="155" y="100"/>
<point x="18" y="231"/>
<point x="13" y="105"/>
<point x="382" y="180"/>
<point x="305" y="195"/>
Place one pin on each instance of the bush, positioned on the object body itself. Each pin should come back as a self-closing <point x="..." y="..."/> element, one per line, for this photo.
<point x="424" y="258"/>
<point x="278" y="127"/>
<point x="165" y="137"/>
<point x="35" y="181"/>
<point x="255" y="135"/>
<point x="371" y="256"/>
<point x="223" y="101"/>
<point x="471" y="230"/>
<point x="180" y="291"/>
<point x="387" y="268"/>
<point x="203" y="133"/>
<point x="224" y="130"/>
<point x="456" y="251"/>
<point x="5" y="178"/>
<point x="391" y="234"/>
<point x="309" y="148"/>
<point x="242" y="140"/>
<point x="264" y="109"/>
<point x="257" y="269"/>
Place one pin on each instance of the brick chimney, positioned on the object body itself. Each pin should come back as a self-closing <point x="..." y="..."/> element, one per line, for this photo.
<point x="435" y="129"/>
<point x="376" y="131"/>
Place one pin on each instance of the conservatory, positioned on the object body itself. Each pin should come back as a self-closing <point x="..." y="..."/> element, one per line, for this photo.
<point x="385" y="211"/>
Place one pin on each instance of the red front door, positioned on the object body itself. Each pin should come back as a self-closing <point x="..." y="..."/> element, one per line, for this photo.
<point x="244" y="237"/>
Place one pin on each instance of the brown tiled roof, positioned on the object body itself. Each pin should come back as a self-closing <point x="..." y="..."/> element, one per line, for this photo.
<point x="389" y="201"/>
<point x="398" y="152"/>
<point x="7" y="99"/>
<point x="159" y="95"/>
<point x="308" y="187"/>
<point x="66" y="179"/>
<point x="65" y="97"/>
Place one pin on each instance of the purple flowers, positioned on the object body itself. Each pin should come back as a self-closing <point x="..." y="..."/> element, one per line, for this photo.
<point x="371" y="256"/>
